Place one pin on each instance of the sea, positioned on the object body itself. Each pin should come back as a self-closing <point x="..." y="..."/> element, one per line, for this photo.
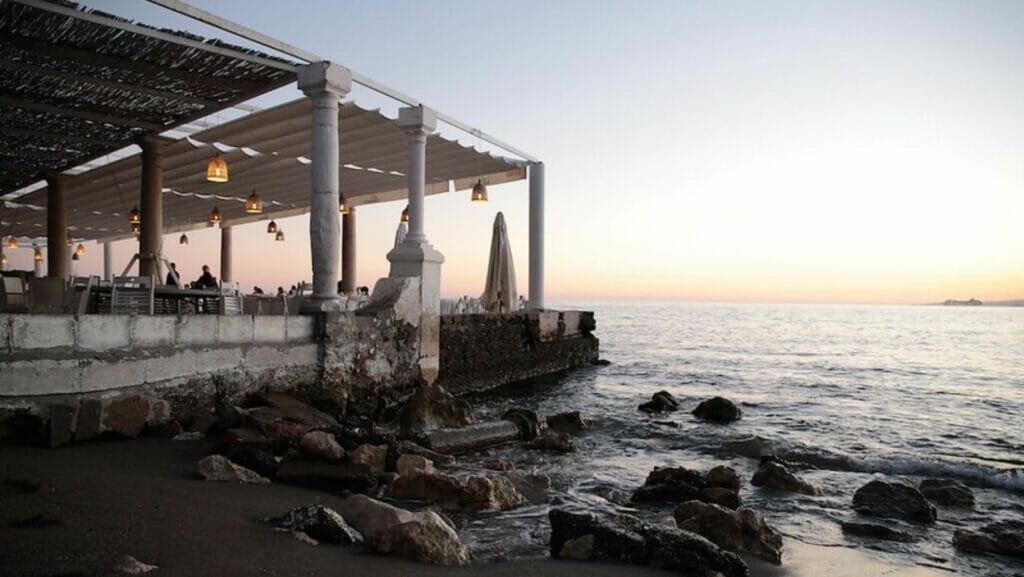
<point x="844" y="393"/>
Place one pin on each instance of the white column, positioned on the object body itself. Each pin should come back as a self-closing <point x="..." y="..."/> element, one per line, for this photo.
<point x="536" y="295"/>
<point x="324" y="83"/>
<point x="108" y="261"/>
<point x="226" y="274"/>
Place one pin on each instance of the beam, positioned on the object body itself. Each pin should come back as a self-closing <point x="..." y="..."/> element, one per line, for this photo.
<point x="84" y="115"/>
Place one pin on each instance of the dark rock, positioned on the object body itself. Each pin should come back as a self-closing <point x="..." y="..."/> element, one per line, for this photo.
<point x="373" y="456"/>
<point x="62" y="421"/>
<point x="744" y="530"/>
<point x="721" y="496"/>
<point x="319" y="522"/>
<point x="166" y="430"/>
<point x="670" y="484"/>
<point x="411" y="448"/>
<point x="428" y="539"/>
<point x="259" y="460"/>
<point x="631" y="541"/>
<point x="126" y="417"/>
<point x="28" y="429"/>
<point x="893" y="500"/>
<point x="219" y="468"/>
<point x="570" y="422"/>
<point x="431" y="407"/>
<point x="39" y="521"/>
<point x="295" y="409"/>
<point x="948" y="492"/>
<point x="1001" y="537"/>
<point x="498" y="465"/>
<point x="601" y="362"/>
<point x="875" y="531"/>
<point x="722" y="476"/>
<point x="774" y="475"/>
<point x="660" y="402"/>
<point x="533" y="486"/>
<point x="491" y="494"/>
<point x="322" y="445"/>
<point x="338" y="478"/>
<point x="203" y="423"/>
<point x="557" y="442"/>
<point x="718" y="410"/>
<point x="430" y="487"/>
<point x="527" y="421"/>
<point x="88" y="422"/>
<point x="412" y="464"/>
<point x="247" y="438"/>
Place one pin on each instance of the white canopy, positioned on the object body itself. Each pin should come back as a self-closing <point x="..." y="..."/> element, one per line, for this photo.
<point x="500" y="291"/>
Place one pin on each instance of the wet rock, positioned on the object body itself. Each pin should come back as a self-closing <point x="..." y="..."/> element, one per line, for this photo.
<point x="527" y="421"/>
<point x="247" y="438"/>
<point x="670" y="484"/>
<point x="411" y="448"/>
<point x="744" y="530"/>
<point x="373" y="456"/>
<point x="370" y="516"/>
<point x="721" y="496"/>
<point x="949" y="492"/>
<point x="533" y="486"/>
<point x="494" y="493"/>
<point x="894" y="500"/>
<point x="296" y="410"/>
<point x="219" y="468"/>
<point x="718" y="410"/>
<point x="722" y="476"/>
<point x="433" y="488"/>
<point x="431" y="407"/>
<point x="322" y="445"/>
<point x="62" y="422"/>
<point x="660" y="402"/>
<point x="263" y="462"/>
<point x="876" y="531"/>
<point x="579" y="549"/>
<point x="600" y="362"/>
<point x="1001" y="537"/>
<point x="408" y="464"/>
<point x="775" y="475"/>
<point x="570" y="422"/>
<point x="498" y="465"/>
<point x="631" y="541"/>
<point x="131" y="566"/>
<point x="557" y="442"/>
<point x="337" y="478"/>
<point x="189" y="436"/>
<point x="90" y="413"/>
<point x="126" y="416"/>
<point x="321" y="523"/>
<point x="428" y="539"/>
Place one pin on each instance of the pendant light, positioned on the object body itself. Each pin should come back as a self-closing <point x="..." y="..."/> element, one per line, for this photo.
<point x="12" y="242"/>
<point x="217" y="169"/>
<point x="74" y="256"/>
<point x="3" y="260"/>
<point x="136" y="228"/>
<point x="135" y="217"/>
<point x="253" y="204"/>
<point x="279" y="237"/>
<point x="183" y="241"/>
<point x="80" y="249"/>
<point x="214" y="216"/>
<point x="405" y="215"/>
<point x="37" y="254"/>
<point x="479" y="192"/>
<point x="271" y="227"/>
<point x="343" y="206"/>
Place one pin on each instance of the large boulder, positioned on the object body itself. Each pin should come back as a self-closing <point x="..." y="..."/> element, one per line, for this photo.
<point x="1001" y="537"/>
<point x="893" y="500"/>
<point x="491" y="493"/>
<point x="744" y="530"/>
<point x="718" y="410"/>
<point x="126" y="416"/>
<point x="321" y="445"/>
<point x="631" y="541"/>
<point x="427" y="539"/>
<point x="370" y="516"/>
<point x="721" y="496"/>
<point x="949" y="492"/>
<point x="218" y="468"/>
<point x="671" y="484"/>
<point x="431" y="407"/>
<point x="661" y="401"/>
<point x="722" y="476"/>
<point x="569" y="422"/>
<point x="321" y="523"/>
<point x="876" y="531"/>
<point x="549" y="441"/>
<point x="430" y="487"/>
<point x="774" y="475"/>
<point x="409" y="464"/>
<point x="373" y="456"/>
<point x="285" y="417"/>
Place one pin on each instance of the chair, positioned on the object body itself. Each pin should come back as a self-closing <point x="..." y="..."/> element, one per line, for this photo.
<point x="14" y="294"/>
<point x="46" y="296"/>
<point x="132" y="295"/>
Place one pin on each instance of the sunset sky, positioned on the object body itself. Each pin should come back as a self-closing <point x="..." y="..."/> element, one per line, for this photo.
<point x="719" y="151"/>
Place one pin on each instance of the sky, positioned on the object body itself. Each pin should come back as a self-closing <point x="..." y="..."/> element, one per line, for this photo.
<point x="835" y="152"/>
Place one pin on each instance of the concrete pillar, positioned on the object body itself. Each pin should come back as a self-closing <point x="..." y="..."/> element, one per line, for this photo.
<point x="348" y="251"/>
<point x="226" y="274"/>
<point x="151" y="204"/>
<point x="108" y="261"/>
<point x="324" y="83"/>
<point x="536" y="295"/>
<point x="56" y="226"/>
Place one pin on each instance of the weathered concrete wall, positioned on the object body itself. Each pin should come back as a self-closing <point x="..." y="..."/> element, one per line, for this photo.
<point x="483" y="351"/>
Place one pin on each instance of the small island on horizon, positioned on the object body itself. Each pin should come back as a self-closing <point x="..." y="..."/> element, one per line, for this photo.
<point x="973" y="302"/>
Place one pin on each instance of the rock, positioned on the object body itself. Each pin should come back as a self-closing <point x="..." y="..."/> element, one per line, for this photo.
<point x="532" y="486"/>
<point x="166" y="429"/>
<point x="321" y="523"/>
<point x="579" y="549"/>
<point x="430" y="487"/>
<point x="322" y="445"/>
<point x="557" y="442"/>
<point x="775" y="475"/>
<point x="218" y="468"/>
<point x="27" y="429"/>
<point x="671" y="484"/>
<point x="496" y="493"/>
<point x="410" y="448"/>
<point x="263" y="462"/>
<point x="498" y="465"/>
<point x="722" y="476"/>
<point x="202" y="423"/>
<point x="189" y="436"/>
<point x="370" y="516"/>
<point x="631" y="541"/>
<point x="527" y="421"/>
<point x="62" y="422"/>
<point x="893" y="500"/>
<point x="229" y="418"/>
<point x="247" y="438"/>
<point x="431" y="407"/>
<point x="948" y="492"/>
<point x="89" y="415"/>
<point x="600" y="362"/>
<point x="304" y="538"/>
<point x="337" y="478"/>
<point x="407" y="464"/>
<point x="660" y="402"/>
<point x="744" y="530"/>
<point x="132" y="566"/>
<point x="1001" y="537"/>
<point x="570" y="422"/>
<point x="721" y="496"/>
<point x="875" y="531"/>
<point x="718" y="410"/>
<point x="373" y="456"/>
<point x="428" y="539"/>
<point x="126" y="416"/>
<point x="299" y="411"/>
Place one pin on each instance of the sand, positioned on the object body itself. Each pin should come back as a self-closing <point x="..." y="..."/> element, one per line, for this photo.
<point x="143" y="498"/>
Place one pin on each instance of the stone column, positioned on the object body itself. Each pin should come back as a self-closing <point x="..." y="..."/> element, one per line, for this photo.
<point x="108" y="261"/>
<point x="536" y="295"/>
<point x="324" y="83"/>
<point x="151" y="204"/>
<point x="226" y="274"/>
<point x="58" y="265"/>
<point x="348" y="251"/>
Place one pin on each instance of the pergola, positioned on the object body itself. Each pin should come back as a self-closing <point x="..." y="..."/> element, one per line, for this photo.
<point x="79" y="85"/>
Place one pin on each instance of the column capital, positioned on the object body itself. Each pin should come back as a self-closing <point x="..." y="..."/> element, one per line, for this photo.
<point x="324" y="77"/>
<point x="417" y="120"/>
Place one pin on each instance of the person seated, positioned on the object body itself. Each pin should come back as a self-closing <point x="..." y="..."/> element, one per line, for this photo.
<point x="207" y="280"/>
<point x="280" y="291"/>
<point x="172" y="277"/>
<point x="257" y="290"/>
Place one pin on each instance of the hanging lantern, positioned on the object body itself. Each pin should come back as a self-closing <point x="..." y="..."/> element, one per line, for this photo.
<point x="343" y="206"/>
<point x="136" y="228"/>
<point x="183" y="240"/>
<point x="135" y="217"/>
<point x="37" y="255"/>
<point x="214" y="216"/>
<point x="405" y="215"/>
<point x="217" y="170"/>
<point x="80" y="249"/>
<point x="253" y="204"/>
<point x="271" y="227"/>
<point x="70" y="240"/>
<point x="3" y="260"/>
<point x="479" y="192"/>
<point x="74" y="256"/>
<point x="12" y="242"/>
<point x="279" y="237"/>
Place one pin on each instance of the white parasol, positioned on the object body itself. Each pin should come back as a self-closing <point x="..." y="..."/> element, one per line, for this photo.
<point x="500" y="290"/>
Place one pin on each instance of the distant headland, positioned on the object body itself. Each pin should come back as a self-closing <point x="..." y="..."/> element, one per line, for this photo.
<point x="973" y="302"/>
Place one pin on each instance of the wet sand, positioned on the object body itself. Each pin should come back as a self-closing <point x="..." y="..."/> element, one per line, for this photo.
<point x="143" y="498"/>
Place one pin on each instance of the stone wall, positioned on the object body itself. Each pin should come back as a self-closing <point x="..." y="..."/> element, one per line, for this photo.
<point x="483" y="351"/>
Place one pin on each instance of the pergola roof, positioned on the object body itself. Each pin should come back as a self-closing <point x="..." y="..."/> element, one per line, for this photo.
<point x="76" y="85"/>
<point x="267" y="152"/>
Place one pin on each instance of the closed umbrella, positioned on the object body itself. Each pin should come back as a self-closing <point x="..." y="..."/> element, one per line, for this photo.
<point x="500" y="290"/>
<point x="400" y="233"/>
